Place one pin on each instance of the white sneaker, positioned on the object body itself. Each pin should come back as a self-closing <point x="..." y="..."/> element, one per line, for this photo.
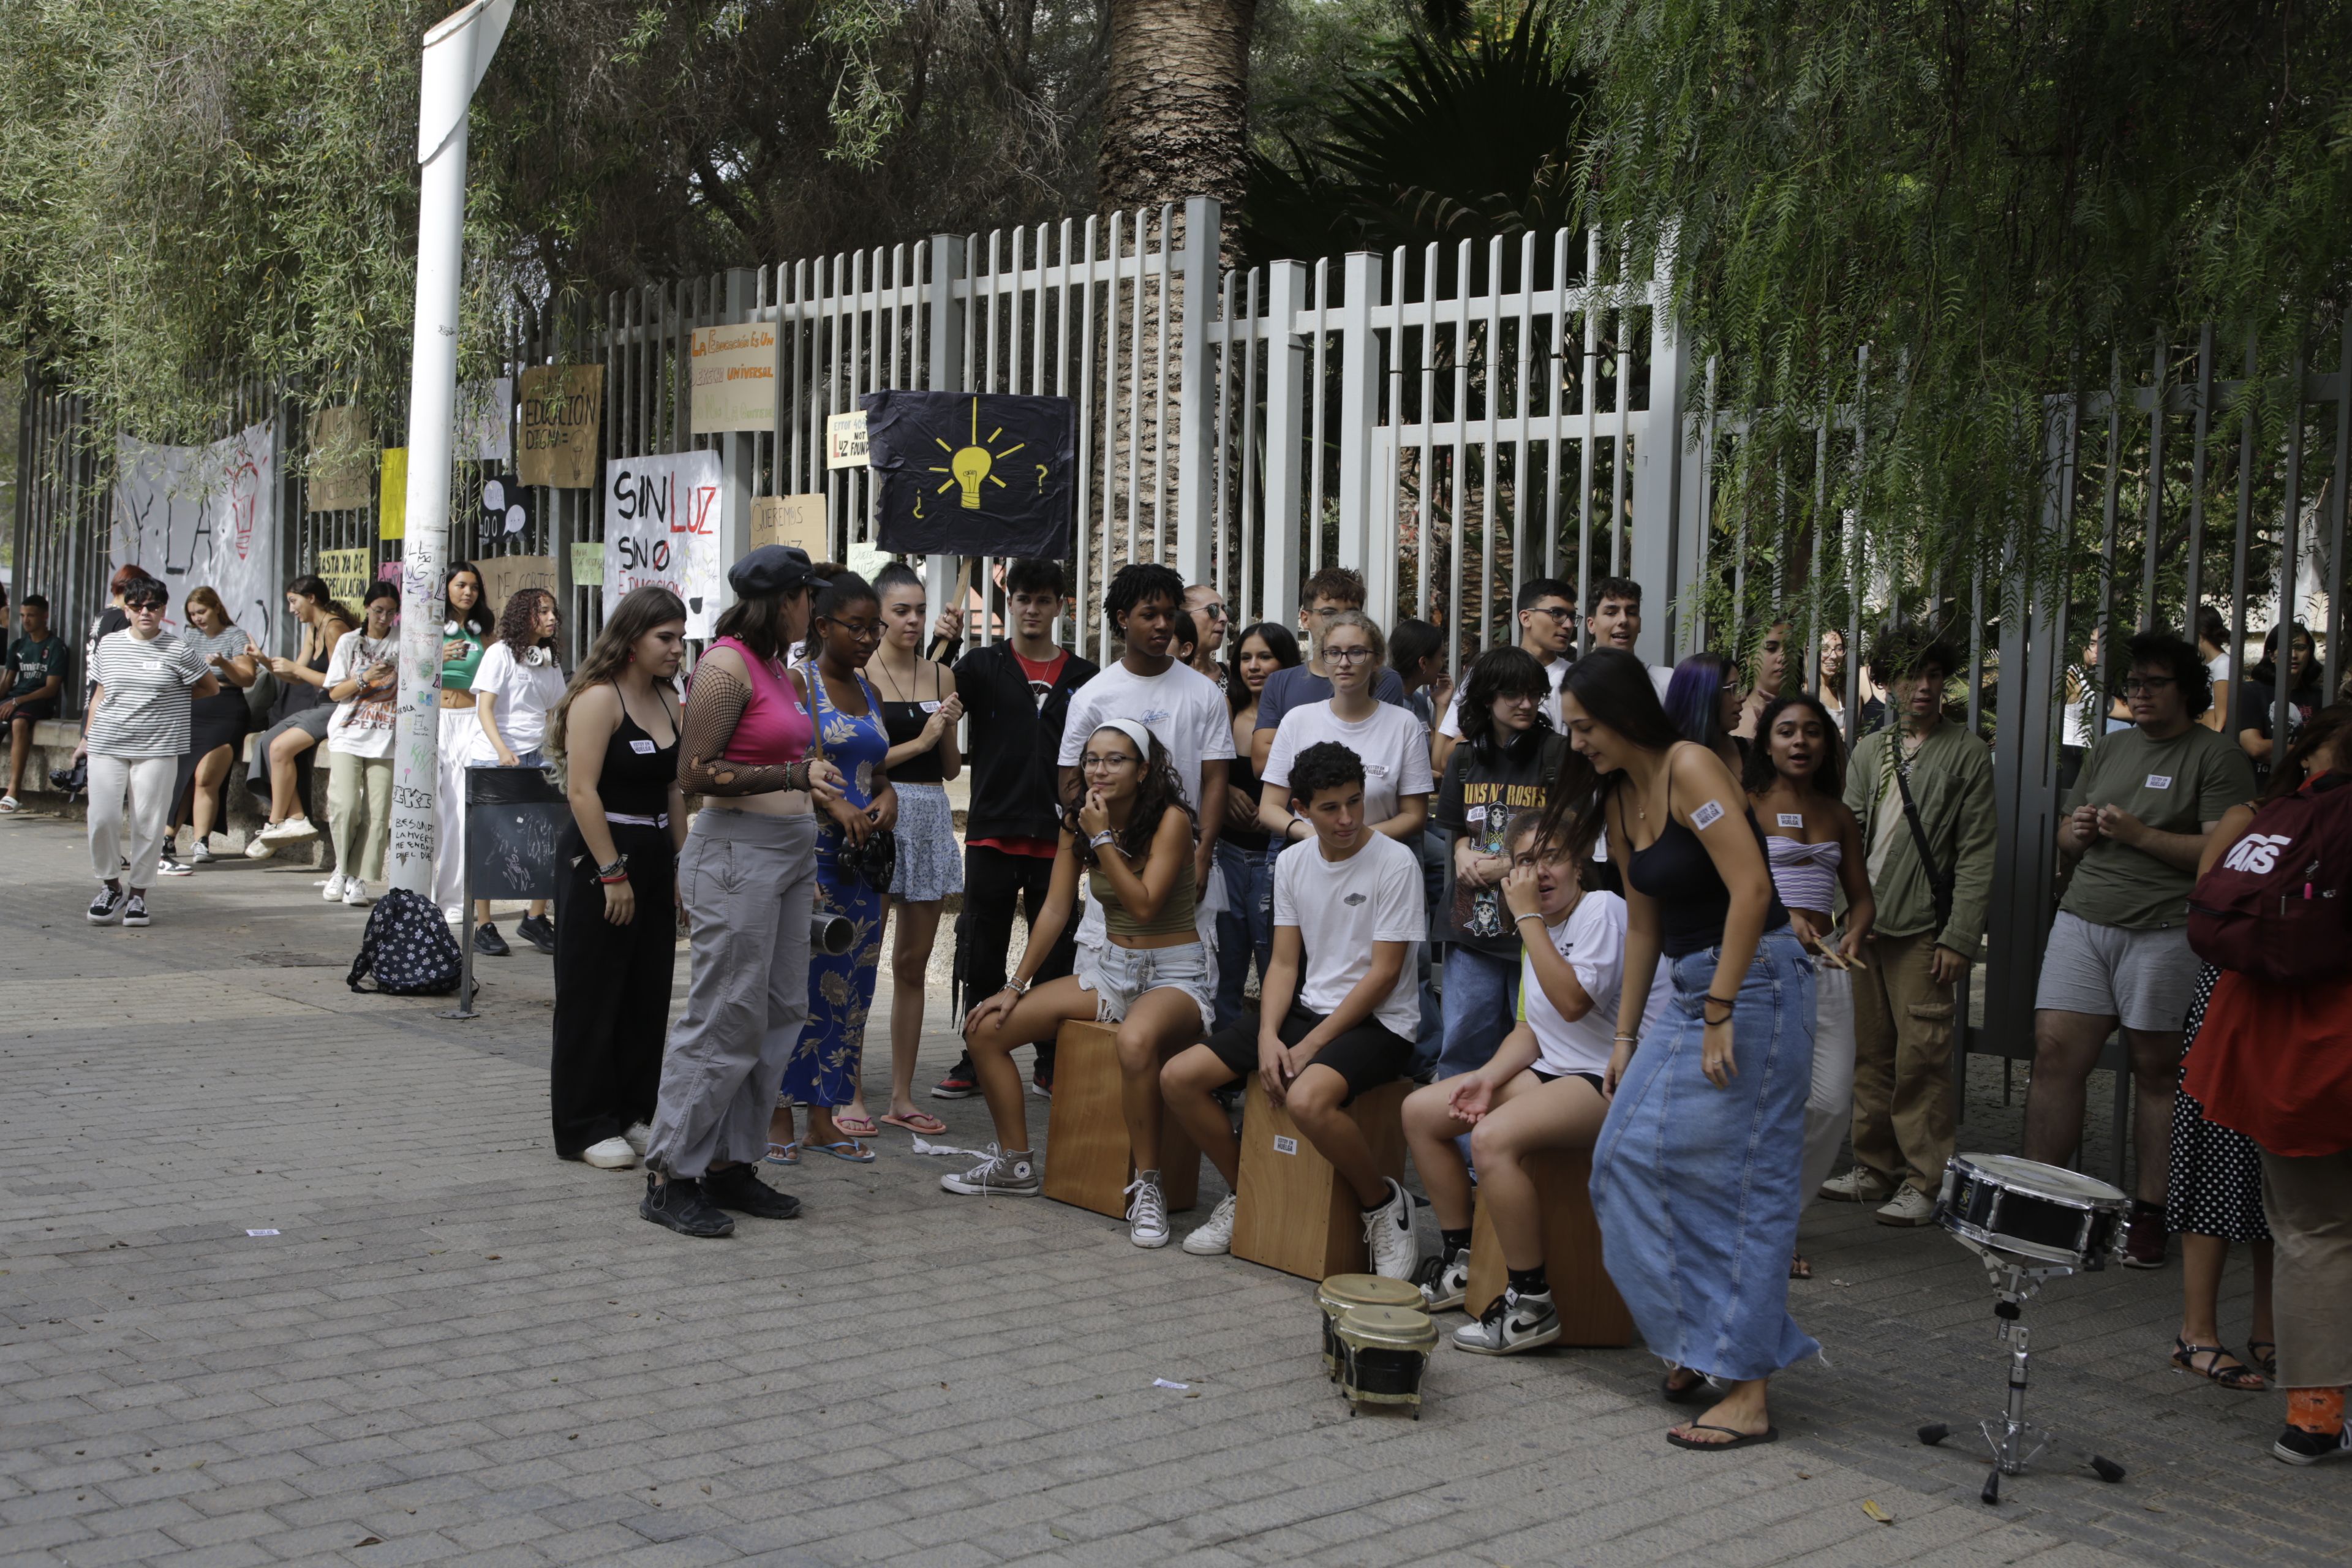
<point x="1860" y="1186"/>
<point x="1513" y="1322"/>
<point x="332" y="890"/>
<point x="1216" y="1235"/>
<point x="257" y="847"/>
<point x="1388" y="1232"/>
<point x="293" y="830"/>
<point x="639" y="1136"/>
<point x="1908" y="1206"/>
<point x="355" y="893"/>
<point x="612" y="1154"/>
<point x="202" y="855"/>
<point x="1445" y="1285"/>
<point x="1147" y="1211"/>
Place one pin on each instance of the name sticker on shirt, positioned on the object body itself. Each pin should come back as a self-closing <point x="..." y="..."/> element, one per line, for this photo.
<point x="1793" y="819"/>
<point x="150" y="664"/>
<point x="1707" y="814"/>
<point x="931" y="707"/>
<point x="1376" y="769"/>
<point x="2160" y="781"/>
<point x="642" y="748"/>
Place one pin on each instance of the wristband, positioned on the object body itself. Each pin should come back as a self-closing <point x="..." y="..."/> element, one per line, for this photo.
<point x="1099" y="839"/>
<point x="1530" y="915"/>
<point x="1018" y="987"/>
<point x="609" y="881"/>
<point x="619" y="868"/>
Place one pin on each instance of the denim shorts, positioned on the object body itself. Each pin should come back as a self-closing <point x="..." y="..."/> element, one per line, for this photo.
<point x="1118" y="975"/>
<point x="2143" y="977"/>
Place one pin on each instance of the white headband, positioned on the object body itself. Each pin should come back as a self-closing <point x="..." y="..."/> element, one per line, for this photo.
<point x="1134" y="731"/>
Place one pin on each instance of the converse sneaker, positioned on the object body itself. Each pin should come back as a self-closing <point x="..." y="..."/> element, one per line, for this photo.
<point x="134" y="909"/>
<point x="1444" y="1283"/>
<point x="1388" y="1232"/>
<point x="2143" y="1238"/>
<point x="332" y="890"/>
<point x="1147" y="1211"/>
<point x="684" y="1207"/>
<point x="106" y="909"/>
<point x="610" y="1154"/>
<point x="1513" y="1322"/>
<point x="1216" y="1233"/>
<point x="2301" y="1446"/>
<point x="739" y="1187"/>
<point x="997" y="1176"/>
<point x="1860" y="1186"/>
<point x="1909" y="1206"/>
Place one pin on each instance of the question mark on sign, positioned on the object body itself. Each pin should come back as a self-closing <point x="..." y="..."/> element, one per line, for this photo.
<point x="1041" y="478"/>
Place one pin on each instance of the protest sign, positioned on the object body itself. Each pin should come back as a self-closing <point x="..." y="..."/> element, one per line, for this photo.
<point x="973" y="473"/>
<point x="504" y="576"/>
<point x="190" y="516"/>
<point x="563" y="411"/>
<point x="844" y="440"/>
<point x="734" y="378"/>
<point x="392" y="495"/>
<point x="588" y="565"/>
<point x="661" y="526"/>
<point x="797" y="521"/>
<point x="346" y="574"/>
<point x="342" y="460"/>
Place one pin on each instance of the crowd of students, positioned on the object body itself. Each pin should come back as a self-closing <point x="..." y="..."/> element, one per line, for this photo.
<point x="1682" y="927"/>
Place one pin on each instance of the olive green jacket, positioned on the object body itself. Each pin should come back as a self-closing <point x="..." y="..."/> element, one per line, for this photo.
<point x="1952" y="781"/>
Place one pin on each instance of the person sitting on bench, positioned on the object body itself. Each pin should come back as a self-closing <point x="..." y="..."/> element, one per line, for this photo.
<point x="1541" y="1090"/>
<point x="1135" y="834"/>
<point x="1338" y="1010"/>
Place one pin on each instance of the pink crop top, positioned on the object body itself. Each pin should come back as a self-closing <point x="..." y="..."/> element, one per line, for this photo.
<point x="774" y="728"/>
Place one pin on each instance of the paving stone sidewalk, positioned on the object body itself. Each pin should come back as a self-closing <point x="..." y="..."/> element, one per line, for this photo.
<point x="457" y="1348"/>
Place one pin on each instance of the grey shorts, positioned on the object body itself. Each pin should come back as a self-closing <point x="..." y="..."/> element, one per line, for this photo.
<point x="2143" y="977"/>
<point x="1118" y="975"/>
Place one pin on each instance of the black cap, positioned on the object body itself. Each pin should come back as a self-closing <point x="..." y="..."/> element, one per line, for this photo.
<point x="773" y="569"/>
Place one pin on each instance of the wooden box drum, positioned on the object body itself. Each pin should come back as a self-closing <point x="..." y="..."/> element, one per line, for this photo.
<point x="1342" y="1291"/>
<point x="2029" y="1210"/>
<point x="1383" y="1351"/>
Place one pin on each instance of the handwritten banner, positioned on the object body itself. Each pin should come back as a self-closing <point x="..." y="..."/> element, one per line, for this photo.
<point x="734" y="378"/>
<point x="346" y="573"/>
<point x="504" y="576"/>
<point x="587" y="564"/>
<point x="563" y="409"/>
<point x="844" y="440"/>
<point x="790" y="520"/>
<point x="341" y="459"/>
<point x="190" y="516"/>
<point x="661" y="526"/>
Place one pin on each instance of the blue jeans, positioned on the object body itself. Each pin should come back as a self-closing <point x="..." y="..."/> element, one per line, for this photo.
<point x="1245" y="926"/>
<point x="1696" y="1187"/>
<point x="1481" y="1004"/>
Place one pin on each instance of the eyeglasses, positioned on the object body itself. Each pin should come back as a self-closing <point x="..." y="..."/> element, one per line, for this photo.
<point x="2142" y="684"/>
<point x="1347" y="655"/>
<point x="1561" y="613"/>
<point x="860" y="631"/>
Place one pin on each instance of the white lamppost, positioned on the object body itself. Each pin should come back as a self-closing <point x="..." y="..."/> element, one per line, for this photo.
<point x="457" y="50"/>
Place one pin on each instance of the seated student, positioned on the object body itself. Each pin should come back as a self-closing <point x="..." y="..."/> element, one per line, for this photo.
<point x="1134" y="833"/>
<point x="1337" y="1009"/>
<point x="1541" y="1090"/>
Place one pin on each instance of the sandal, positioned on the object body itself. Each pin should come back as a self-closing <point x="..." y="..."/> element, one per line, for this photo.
<point x="1738" y="1439"/>
<point x="783" y="1153"/>
<point x="919" y="1121"/>
<point x="2242" y="1378"/>
<point x="856" y="1126"/>
<point x="1801" y="1267"/>
<point x="848" y="1149"/>
<point x="2265" y="1364"/>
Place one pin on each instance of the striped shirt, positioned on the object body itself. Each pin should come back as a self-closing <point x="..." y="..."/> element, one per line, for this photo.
<point x="146" y="709"/>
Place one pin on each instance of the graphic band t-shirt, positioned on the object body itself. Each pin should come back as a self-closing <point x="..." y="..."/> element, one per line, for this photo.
<point x="2257" y="710"/>
<point x="32" y="663"/>
<point x="1040" y="678"/>
<point x="1391" y="744"/>
<point x="1483" y="789"/>
<point x="1298" y="686"/>
<point x="1180" y="706"/>
<point x="1340" y="909"/>
<point x="525" y="693"/>
<point x="2174" y="786"/>
<point x="147" y="711"/>
<point x="1592" y="940"/>
<point x="111" y="619"/>
<point x="362" y="726"/>
<point x="1557" y="671"/>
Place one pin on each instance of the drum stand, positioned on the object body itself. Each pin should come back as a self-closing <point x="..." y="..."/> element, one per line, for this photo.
<point x="2013" y="1441"/>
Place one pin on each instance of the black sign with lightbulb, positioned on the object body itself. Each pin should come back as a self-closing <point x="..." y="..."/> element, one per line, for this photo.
<point x="967" y="473"/>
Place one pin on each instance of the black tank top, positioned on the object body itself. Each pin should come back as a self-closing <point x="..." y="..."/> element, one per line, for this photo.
<point x="637" y="772"/>
<point x="903" y="723"/>
<point x="1676" y="871"/>
<point x="1243" y="777"/>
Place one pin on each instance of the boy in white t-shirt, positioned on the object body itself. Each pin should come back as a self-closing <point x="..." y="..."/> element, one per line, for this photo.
<point x="1337" y="1007"/>
<point x="1545" y="1088"/>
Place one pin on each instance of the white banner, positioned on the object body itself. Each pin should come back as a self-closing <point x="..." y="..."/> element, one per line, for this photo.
<point x="484" y="423"/>
<point x="203" y="515"/>
<point x="661" y="526"/>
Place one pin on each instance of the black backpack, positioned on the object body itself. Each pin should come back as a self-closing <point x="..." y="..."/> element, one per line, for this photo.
<point x="407" y="949"/>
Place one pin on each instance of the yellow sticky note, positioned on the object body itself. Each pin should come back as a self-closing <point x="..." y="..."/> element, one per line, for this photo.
<point x="392" y="495"/>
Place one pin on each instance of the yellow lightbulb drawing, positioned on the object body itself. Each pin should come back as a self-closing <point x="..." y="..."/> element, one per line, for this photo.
<point x="968" y="466"/>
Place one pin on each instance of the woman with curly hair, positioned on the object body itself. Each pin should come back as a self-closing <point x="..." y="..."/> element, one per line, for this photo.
<point x="1132" y="834"/>
<point x="517" y="685"/>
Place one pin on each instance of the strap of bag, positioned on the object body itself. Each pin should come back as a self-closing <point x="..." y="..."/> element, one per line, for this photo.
<point x="1939" y="883"/>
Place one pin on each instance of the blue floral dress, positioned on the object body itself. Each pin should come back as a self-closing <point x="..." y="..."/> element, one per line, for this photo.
<point x="824" y="1069"/>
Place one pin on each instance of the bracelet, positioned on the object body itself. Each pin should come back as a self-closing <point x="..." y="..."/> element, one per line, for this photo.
<point x="1530" y="915"/>
<point x="1018" y="987"/>
<point x="609" y="881"/>
<point x="619" y="868"/>
<point x="1099" y="839"/>
<point x="1615" y="1039"/>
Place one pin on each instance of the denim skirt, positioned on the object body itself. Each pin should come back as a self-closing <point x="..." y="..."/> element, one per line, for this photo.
<point x="1697" y="1188"/>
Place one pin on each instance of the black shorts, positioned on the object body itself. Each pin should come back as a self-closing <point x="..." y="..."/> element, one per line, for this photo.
<point x="36" y="712"/>
<point x="1367" y="1056"/>
<point x="1591" y="1078"/>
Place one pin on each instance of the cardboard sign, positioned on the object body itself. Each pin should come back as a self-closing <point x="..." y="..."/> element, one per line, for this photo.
<point x="346" y="574"/>
<point x="342" y="460"/>
<point x="392" y="495"/>
<point x="797" y="520"/>
<point x="562" y="413"/>
<point x="588" y="565"/>
<point x="504" y="576"/>
<point x="844" y="440"/>
<point x="734" y="378"/>
<point x="661" y="526"/>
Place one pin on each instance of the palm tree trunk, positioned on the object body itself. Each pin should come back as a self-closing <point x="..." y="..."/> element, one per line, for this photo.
<point x="1176" y="114"/>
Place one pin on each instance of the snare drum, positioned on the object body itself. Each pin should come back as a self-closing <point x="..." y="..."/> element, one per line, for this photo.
<point x="2034" y="1210"/>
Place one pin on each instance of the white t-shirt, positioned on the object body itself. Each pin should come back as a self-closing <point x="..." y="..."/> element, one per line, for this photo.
<point x="362" y="727"/>
<point x="526" y="693"/>
<point x="1451" y="725"/>
<point x="1393" y="744"/>
<point x="1340" y="909"/>
<point x="1180" y="706"/>
<point x="1592" y="940"/>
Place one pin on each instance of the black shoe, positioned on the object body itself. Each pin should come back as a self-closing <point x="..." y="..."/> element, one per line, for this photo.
<point x="106" y="909"/>
<point x="684" y="1206"/>
<point x="1040" y="1082"/>
<point x="2298" y="1446"/>
<point x="134" y="910"/>
<point x="488" y="940"/>
<point x="537" y="930"/>
<point x="959" y="1083"/>
<point x="739" y="1187"/>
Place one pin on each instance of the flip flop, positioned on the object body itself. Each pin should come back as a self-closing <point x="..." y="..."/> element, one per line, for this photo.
<point x="1738" y="1439"/>
<point x="919" y="1121"/>
<point x="854" y="1126"/>
<point x="859" y="1155"/>
<point x="783" y="1153"/>
<point x="1689" y="1393"/>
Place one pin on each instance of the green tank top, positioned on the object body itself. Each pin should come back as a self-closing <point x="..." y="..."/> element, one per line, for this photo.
<point x="1176" y="914"/>
<point x="458" y="674"/>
